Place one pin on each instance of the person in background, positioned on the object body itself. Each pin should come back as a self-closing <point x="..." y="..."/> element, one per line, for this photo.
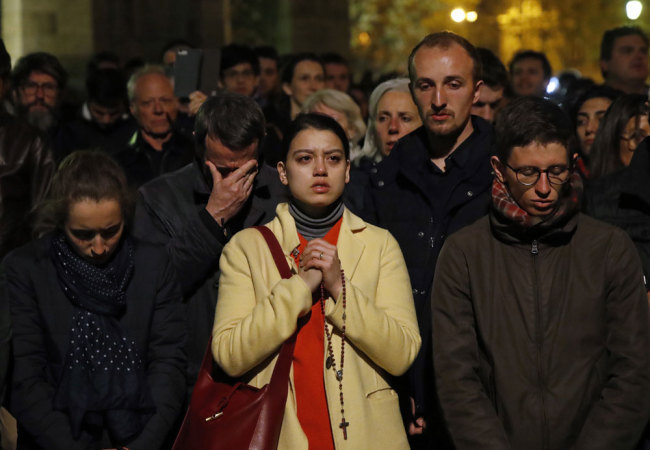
<point x="530" y="73"/>
<point x="392" y="116"/>
<point x="195" y="210"/>
<point x="27" y="166"/>
<point x="337" y="72"/>
<point x="540" y="315"/>
<point x="269" y="73"/>
<point x="435" y="181"/>
<point x="340" y="107"/>
<point x="303" y="75"/>
<point x="621" y="130"/>
<point x="38" y="81"/>
<point x="97" y="320"/>
<point x="587" y="112"/>
<point x="103" y="60"/>
<point x="239" y="70"/>
<point x="156" y="147"/>
<point x="624" y="59"/>
<point x="494" y="92"/>
<point x="103" y="121"/>
<point x="349" y="302"/>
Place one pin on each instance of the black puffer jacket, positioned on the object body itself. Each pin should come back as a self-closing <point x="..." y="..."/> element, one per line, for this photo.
<point x="541" y="344"/>
<point x="623" y="199"/>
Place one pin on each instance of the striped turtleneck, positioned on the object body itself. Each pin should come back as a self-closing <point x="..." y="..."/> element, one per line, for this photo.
<point x="312" y="228"/>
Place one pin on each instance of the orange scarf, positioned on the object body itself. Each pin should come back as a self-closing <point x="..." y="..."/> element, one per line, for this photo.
<point x="308" y="365"/>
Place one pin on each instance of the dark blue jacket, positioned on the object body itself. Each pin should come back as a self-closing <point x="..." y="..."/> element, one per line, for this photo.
<point x="398" y="198"/>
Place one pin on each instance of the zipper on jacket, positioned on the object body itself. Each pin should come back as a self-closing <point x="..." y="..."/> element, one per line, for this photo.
<point x="534" y="250"/>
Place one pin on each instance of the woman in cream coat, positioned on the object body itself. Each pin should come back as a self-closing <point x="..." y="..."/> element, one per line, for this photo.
<point x="367" y="294"/>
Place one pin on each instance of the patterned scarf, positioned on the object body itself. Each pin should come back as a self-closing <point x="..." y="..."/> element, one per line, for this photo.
<point x="102" y="385"/>
<point x="567" y="205"/>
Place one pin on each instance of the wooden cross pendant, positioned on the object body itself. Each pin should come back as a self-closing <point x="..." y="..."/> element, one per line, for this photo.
<point x="344" y="426"/>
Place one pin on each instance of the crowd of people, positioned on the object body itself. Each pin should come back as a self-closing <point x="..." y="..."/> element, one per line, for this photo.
<point x="470" y="253"/>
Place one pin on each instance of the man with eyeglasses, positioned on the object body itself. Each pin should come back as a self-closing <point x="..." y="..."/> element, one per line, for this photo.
<point x="38" y="81"/>
<point x="540" y="317"/>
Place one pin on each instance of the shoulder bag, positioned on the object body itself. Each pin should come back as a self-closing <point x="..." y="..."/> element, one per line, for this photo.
<point x="236" y="415"/>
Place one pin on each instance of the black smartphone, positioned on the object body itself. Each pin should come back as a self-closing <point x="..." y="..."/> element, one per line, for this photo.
<point x="196" y="69"/>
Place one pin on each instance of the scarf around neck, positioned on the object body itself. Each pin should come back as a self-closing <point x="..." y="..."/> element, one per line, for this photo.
<point x="511" y="216"/>
<point x="102" y="384"/>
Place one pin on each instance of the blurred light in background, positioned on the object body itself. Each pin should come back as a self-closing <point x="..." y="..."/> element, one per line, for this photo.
<point x="553" y="84"/>
<point x="633" y="9"/>
<point x="364" y="39"/>
<point x="471" y="16"/>
<point x="458" y="15"/>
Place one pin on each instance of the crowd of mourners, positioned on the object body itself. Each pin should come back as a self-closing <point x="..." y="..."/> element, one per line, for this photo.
<point x="469" y="250"/>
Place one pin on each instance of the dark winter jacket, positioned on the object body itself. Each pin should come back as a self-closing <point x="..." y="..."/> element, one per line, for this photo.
<point x="622" y="198"/>
<point x="171" y="211"/>
<point x="143" y="163"/>
<point x="398" y="198"/>
<point x="42" y="320"/>
<point x="541" y="344"/>
<point x="26" y="168"/>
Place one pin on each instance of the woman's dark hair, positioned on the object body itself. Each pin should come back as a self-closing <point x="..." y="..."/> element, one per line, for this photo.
<point x="83" y="175"/>
<point x="605" y="157"/>
<point x="597" y="91"/>
<point x="290" y="68"/>
<point x="525" y="120"/>
<point x="317" y="122"/>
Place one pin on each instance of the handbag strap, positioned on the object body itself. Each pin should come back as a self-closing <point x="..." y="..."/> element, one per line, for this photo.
<point x="281" y="369"/>
<point x="282" y="366"/>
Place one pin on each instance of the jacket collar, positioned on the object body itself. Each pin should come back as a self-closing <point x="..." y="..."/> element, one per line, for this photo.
<point x="349" y="246"/>
<point x="411" y="152"/>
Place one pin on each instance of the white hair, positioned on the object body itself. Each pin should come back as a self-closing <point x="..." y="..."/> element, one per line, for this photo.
<point x="371" y="145"/>
<point x="343" y="103"/>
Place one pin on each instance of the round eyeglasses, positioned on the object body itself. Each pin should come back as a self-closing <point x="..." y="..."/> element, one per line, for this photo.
<point x="528" y="175"/>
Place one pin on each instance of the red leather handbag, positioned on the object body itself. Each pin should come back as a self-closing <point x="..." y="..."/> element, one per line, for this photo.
<point x="239" y="416"/>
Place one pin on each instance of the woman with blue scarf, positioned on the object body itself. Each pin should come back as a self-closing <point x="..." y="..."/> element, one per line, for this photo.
<point x="97" y="320"/>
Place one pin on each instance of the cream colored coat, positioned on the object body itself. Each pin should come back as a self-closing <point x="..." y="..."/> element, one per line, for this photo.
<point x="257" y="311"/>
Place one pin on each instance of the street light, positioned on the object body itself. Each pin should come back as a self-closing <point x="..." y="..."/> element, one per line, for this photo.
<point x="458" y="15"/>
<point x="633" y="9"/>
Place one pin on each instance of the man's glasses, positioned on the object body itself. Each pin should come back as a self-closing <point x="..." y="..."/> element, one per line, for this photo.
<point x="49" y="89"/>
<point x="528" y="176"/>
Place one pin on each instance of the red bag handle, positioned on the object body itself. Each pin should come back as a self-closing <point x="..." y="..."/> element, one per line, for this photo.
<point x="281" y="369"/>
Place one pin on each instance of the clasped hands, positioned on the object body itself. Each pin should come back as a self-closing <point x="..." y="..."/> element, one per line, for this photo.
<point x="320" y="262"/>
